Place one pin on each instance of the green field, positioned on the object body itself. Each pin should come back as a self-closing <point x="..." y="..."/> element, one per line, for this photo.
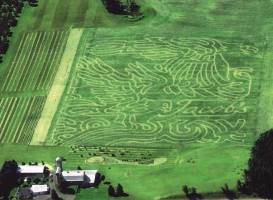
<point x="159" y="90"/>
<point x="177" y="97"/>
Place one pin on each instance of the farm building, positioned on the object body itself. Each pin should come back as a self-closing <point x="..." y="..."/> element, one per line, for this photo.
<point x="76" y="176"/>
<point x="32" y="170"/>
<point x="34" y="190"/>
<point x="73" y="176"/>
<point x="87" y="176"/>
<point x="39" y="189"/>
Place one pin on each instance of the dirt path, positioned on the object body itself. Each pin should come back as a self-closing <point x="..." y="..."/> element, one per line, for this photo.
<point x="59" y="84"/>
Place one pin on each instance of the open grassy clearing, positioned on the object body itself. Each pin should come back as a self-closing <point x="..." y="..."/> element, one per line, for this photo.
<point x="146" y="182"/>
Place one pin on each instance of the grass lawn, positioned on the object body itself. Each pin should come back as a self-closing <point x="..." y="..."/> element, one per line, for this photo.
<point x="191" y="82"/>
<point x="212" y="168"/>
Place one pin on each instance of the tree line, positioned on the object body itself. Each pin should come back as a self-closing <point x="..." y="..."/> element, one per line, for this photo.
<point x="119" y="7"/>
<point x="10" y="11"/>
<point x="257" y="179"/>
<point x="9" y="178"/>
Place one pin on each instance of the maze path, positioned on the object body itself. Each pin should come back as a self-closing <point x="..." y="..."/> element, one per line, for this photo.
<point x="18" y="118"/>
<point x="198" y="63"/>
<point x="35" y="63"/>
<point x="172" y="91"/>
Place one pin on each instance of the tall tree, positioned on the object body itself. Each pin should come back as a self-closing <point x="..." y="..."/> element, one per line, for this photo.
<point x="9" y="177"/>
<point x="229" y="194"/>
<point x="111" y="191"/>
<point x="115" y="7"/>
<point x="191" y="193"/>
<point x="258" y="178"/>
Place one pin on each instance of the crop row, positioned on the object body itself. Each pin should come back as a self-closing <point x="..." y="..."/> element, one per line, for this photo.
<point x="19" y="117"/>
<point x="35" y="63"/>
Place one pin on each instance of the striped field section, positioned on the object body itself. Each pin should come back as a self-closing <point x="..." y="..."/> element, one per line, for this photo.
<point x="35" y="63"/>
<point x="55" y="94"/>
<point x="18" y="118"/>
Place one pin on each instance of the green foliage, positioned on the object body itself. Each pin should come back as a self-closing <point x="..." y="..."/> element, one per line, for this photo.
<point x="258" y="178"/>
<point x="228" y="193"/>
<point x="191" y="193"/>
<point x="9" y="177"/>
<point x="115" y="6"/>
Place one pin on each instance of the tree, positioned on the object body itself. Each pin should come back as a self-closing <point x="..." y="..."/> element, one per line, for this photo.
<point x="36" y="180"/>
<point x="111" y="191"/>
<point x="229" y="194"/>
<point x="79" y="168"/>
<point x="97" y="180"/>
<point x="115" y="7"/>
<point x="9" y="12"/>
<point x="134" y="8"/>
<point x="9" y="177"/>
<point x="191" y="193"/>
<point x="258" y="178"/>
<point x="120" y="192"/>
<point x="185" y="189"/>
<point x="46" y="172"/>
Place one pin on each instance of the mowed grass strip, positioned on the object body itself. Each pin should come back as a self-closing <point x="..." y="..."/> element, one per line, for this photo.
<point x="58" y="87"/>
<point x="40" y="15"/>
<point x="80" y="12"/>
<point x="61" y="14"/>
<point x="35" y="63"/>
<point x="18" y="118"/>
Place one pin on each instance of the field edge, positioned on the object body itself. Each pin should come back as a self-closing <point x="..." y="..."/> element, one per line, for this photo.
<point x="58" y="87"/>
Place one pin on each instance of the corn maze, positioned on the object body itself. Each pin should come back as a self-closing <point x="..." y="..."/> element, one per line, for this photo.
<point x="171" y="91"/>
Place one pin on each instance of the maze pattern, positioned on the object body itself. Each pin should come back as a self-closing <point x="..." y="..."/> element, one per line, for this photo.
<point x="172" y="91"/>
<point x="18" y="118"/>
<point x="35" y="63"/>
